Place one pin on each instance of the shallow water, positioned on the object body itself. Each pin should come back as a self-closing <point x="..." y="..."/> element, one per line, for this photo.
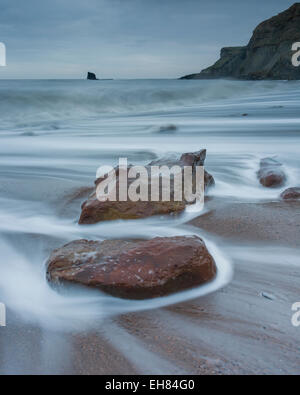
<point x="55" y="134"/>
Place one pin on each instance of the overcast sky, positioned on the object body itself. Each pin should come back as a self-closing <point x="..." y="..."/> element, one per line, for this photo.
<point x="124" y="38"/>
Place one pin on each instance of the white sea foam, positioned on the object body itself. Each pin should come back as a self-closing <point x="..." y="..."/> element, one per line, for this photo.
<point x="55" y="134"/>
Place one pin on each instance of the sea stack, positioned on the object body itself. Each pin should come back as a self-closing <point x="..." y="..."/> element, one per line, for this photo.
<point x="268" y="56"/>
<point x="92" y="76"/>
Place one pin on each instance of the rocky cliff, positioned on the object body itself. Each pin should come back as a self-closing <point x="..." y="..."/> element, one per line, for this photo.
<point x="267" y="56"/>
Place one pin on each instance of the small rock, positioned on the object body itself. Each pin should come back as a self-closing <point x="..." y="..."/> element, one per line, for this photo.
<point x="270" y="173"/>
<point x="291" y="194"/>
<point x="167" y="129"/>
<point x="268" y="296"/>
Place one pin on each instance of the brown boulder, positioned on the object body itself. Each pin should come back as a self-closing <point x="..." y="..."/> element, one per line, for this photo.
<point x="134" y="269"/>
<point x="291" y="194"/>
<point x="270" y="173"/>
<point x="94" y="211"/>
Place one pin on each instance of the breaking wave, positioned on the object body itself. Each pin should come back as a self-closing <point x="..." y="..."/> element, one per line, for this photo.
<point x="33" y="103"/>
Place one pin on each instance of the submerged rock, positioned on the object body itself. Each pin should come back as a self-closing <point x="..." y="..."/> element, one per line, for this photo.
<point x="268" y="296"/>
<point x="134" y="269"/>
<point x="267" y="56"/>
<point x="167" y="129"/>
<point x="270" y="173"/>
<point x="94" y="211"/>
<point x="92" y="76"/>
<point x="291" y="194"/>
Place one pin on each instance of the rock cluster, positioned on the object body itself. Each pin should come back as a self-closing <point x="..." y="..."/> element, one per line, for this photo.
<point x="136" y="269"/>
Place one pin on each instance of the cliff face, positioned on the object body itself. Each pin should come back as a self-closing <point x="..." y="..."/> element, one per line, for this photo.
<point x="267" y="56"/>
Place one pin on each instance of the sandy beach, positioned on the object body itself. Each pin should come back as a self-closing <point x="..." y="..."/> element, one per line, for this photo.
<point x="244" y="328"/>
<point x="118" y="120"/>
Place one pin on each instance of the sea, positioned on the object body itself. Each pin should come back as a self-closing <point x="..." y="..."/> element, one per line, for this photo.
<point x="55" y="134"/>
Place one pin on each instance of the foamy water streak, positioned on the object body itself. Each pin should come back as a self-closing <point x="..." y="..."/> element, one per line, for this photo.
<point x="36" y="301"/>
<point x="55" y="134"/>
<point x="55" y="105"/>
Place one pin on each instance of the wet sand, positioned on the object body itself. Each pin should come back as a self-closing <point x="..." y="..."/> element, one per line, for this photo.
<point x="275" y="222"/>
<point x="242" y="329"/>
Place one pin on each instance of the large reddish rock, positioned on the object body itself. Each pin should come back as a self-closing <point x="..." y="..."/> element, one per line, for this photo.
<point x="94" y="211"/>
<point x="134" y="269"/>
<point x="270" y="173"/>
<point x="291" y="194"/>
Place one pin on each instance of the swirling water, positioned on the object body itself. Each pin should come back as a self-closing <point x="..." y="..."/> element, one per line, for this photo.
<point x="55" y="134"/>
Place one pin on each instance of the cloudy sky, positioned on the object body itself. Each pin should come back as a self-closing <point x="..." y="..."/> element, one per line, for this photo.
<point x="124" y="38"/>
